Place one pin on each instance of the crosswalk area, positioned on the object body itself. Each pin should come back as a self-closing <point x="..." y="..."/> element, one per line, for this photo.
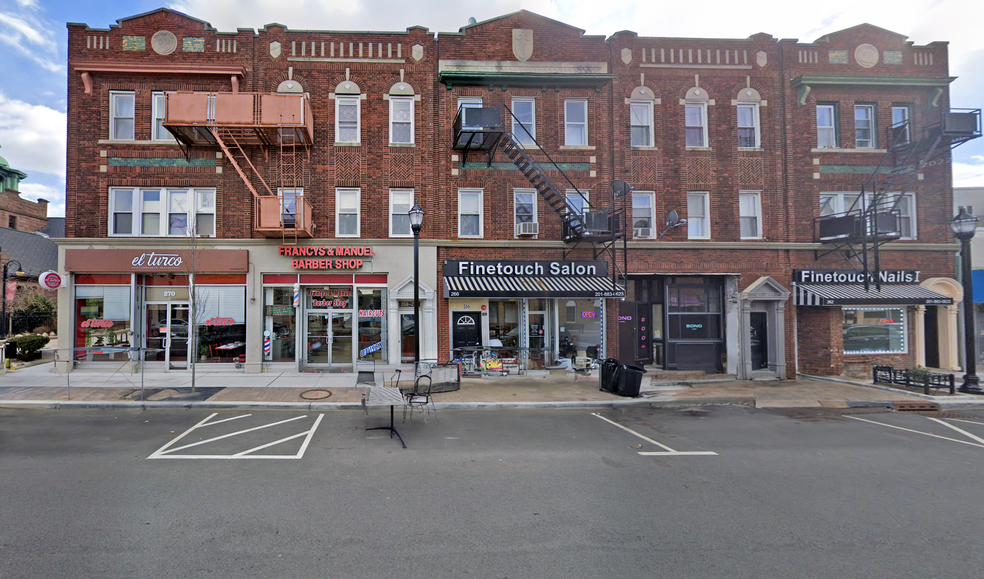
<point x="243" y="437"/>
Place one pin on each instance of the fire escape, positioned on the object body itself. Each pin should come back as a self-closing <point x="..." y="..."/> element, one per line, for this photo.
<point x="231" y="121"/>
<point x="483" y="130"/>
<point x="875" y="216"/>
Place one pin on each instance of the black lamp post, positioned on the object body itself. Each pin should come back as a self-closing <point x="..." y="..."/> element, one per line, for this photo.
<point x="416" y="222"/>
<point x="964" y="226"/>
<point x="19" y="272"/>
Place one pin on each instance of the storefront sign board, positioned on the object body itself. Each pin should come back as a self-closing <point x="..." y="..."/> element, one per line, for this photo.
<point x="156" y="260"/>
<point x="852" y="277"/>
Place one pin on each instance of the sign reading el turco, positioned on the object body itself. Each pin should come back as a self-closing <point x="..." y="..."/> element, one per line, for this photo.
<point x="156" y="261"/>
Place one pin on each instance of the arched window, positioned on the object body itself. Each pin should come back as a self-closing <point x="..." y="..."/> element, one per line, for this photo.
<point x="401" y="113"/>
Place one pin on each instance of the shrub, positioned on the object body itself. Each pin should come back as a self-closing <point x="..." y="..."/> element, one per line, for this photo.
<point x="28" y="346"/>
<point x="42" y="330"/>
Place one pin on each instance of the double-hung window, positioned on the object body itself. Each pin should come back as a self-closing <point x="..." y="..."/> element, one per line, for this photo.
<point x="524" y="212"/>
<point x="748" y="126"/>
<point x="347" y="117"/>
<point x="864" y="127"/>
<point x="470" y="109"/>
<point x="695" y="122"/>
<point x="158" y="132"/>
<point x="839" y="203"/>
<point x="641" y="123"/>
<point x="698" y="225"/>
<point x="576" y="122"/>
<point x="121" y="109"/>
<point x="524" y="121"/>
<point x="826" y="126"/>
<point x="401" y="201"/>
<point x="470" y="213"/>
<point x="347" y="212"/>
<point x="401" y="120"/>
<point x="577" y="200"/>
<point x="161" y="212"/>
<point x="750" y="214"/>
<point x="643" y="205"/>
<point x="900" y="124"/>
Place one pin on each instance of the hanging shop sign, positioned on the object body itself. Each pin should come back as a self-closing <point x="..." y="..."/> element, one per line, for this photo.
<point x="50" y="280"/>
<point x="156" y="260"/>
<point x="327" y="257"/>
<point x="852" y="277"/>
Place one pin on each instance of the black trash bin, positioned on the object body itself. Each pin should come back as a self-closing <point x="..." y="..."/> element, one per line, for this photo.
<point x="607" y="376"/>
<point x="629" y="380"/>
<point x="10" y="351"/>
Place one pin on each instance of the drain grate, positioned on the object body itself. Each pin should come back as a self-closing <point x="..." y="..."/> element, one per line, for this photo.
<point x="916" y="406"/>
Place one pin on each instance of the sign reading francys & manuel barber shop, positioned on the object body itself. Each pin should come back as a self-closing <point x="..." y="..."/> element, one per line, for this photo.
<point x="851" y="277"/>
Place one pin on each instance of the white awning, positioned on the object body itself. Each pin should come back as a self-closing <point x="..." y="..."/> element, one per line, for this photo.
<point x="531" y="287"/>
<point x="854" y="295"/>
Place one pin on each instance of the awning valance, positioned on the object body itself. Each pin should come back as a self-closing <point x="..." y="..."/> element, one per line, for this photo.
<point x="531" y="287"/>
<point x="854" y="295"/>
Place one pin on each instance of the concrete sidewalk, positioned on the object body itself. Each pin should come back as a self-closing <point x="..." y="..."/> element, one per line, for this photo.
<point x="40" y="386"/>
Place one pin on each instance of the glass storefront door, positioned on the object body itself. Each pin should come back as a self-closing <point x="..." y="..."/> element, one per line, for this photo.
<point x="329" y="339"/>
<point x="167" y="334"/>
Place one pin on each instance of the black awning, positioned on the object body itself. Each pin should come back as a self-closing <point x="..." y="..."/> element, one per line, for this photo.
<point x="854" y="295"/>
<point x="531" y="287"/>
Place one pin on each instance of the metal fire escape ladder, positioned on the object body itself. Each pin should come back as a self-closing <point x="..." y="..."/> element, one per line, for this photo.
<point x="235" y="164"/>
<point x="290" y="179"/>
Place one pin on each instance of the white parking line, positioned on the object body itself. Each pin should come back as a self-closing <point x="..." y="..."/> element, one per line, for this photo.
<point x="920" y="432"/>
<point x="960" y="430"/>
<point x="668" y="451"/>
<point x="167" y="452"/>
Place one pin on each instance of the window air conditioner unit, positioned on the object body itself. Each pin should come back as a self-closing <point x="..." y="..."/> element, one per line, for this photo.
<point x="642" y="232"/>
<point x="527" y="228"/>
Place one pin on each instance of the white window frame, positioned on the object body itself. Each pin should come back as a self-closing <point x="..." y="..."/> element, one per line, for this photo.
<point x="702" y="109"/>
<point x="480" y="194"/>
<point x="827" y="134"/>
<point x="755" y="126"/>
<point x="839" y="202"/>
<point x="578" y="200"/>
<point x="525" y="134"/>
<point x="754" y="200"/>
<point x="569" y="124"/>
<point x="903" y="323"/>
<point x="469" y="103"/>
<point x="348" y="100"/>
<point x="203" y="203"/>
<point x="342" y="209"/>
<point x="114" y="116"/>
<point x="871" y="142"/>
<point x="646" y="105"/>
<point x="516" y="202"/>
<point x="394" y="194"/>
<point x="157" y="130"/>
<point x="703" y="222"/>
<point x="393" y="100"/>
<point x="650" y="207"/>
<point x="905" y="121"/>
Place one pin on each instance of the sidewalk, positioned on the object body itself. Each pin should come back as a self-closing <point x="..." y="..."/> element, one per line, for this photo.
<point x="39" y="386"/>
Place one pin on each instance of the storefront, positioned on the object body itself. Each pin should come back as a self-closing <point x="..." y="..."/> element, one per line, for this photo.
<point x="289" y="308"/>
<point x="534" y="312"/>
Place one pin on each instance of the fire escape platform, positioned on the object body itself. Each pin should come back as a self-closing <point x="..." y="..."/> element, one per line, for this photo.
<point x="273" y="221"/>
<point x="250" y="118"/>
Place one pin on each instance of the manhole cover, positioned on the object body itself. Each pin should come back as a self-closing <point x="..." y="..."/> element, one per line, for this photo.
<point x="316" y="394"/>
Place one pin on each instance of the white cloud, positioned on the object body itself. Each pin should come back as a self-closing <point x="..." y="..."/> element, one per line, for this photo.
<point x="55" y="197"/>
<point x="969" y="174"/>
<point x="32" y="137"/>
<point x="31" y="39"/>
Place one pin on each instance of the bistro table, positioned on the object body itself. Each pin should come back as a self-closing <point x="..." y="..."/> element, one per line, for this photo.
<point x="384" y="396"/>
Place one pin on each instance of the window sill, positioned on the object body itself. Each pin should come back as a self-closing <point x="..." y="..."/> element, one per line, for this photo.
<point x="131" y="236"/>
<point x="751" y="149"/>
<point x="348" y="236"/>
<point x="837" y="150"/>
<point x="133" y="142"/>
<point x="698" y="239"/>
<point x="698" y="148"/>
<point x="635" y="148"/>
<point x="577" y="147"/>
<point x="337" y="144"/>
<point x="401" y="145"/>
<point x="758" y="238"/>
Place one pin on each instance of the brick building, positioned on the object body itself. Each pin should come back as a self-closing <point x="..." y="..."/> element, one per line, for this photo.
<point x="16" y="212"/>
<point x="688" y="203"/>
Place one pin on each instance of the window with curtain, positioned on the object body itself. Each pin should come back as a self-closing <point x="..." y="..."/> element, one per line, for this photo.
<point x="401" y="120"/>
<point x="826" y="126"/>
<point x="864" y="127"/>
<point x="401" y="201"/>
<point x="347" y="116"/>
<point x="695" y="121"/>
<point x="641" y="123"/>
<point x="698" y="226"/>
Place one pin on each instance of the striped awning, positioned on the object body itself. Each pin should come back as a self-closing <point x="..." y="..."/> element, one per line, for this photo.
<point x="531" y="287"/>
<point x="854" y="295"/>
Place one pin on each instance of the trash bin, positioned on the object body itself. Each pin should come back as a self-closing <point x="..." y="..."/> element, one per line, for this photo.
<point x="629" y="380"/>
<point x="607" y="376"/>
<point x="9" y="352"/>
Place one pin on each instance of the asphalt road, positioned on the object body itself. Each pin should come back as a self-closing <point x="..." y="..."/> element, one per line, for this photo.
<point x="499" y="494"/>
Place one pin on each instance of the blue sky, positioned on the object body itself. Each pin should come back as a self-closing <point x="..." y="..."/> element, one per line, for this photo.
<point x="33" y="47"/>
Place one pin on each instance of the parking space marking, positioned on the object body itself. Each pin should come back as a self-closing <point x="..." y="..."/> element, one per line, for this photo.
<point x="924" y="433"/>
<point x="960" y="430"/>
<point x="667" y="450"/>
<point x="167" y="451"/>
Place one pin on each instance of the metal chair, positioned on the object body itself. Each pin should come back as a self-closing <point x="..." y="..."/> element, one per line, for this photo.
<point x="420" y="394"/>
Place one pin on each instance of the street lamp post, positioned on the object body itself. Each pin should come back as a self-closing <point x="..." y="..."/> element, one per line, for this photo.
<point x="19" y="272"/>
<point x="964" y="226"/>
<point x="416" y="222"/>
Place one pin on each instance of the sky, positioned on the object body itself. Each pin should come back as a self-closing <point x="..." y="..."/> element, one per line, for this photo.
<point x="33" y="52"/>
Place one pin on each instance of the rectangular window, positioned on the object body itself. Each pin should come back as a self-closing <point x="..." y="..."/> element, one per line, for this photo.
<point x="470" y="109"/>
<point x="347" y="115"/>
<point x="641" y="123"/>
<point x="748" y="126"/>
<point x="864" y="126"/>
<point x="698" y="226"/>
<point x="695" y="120"/>
<point x="839" y="203"/>
<point x="900" y="124"/>
<point x="524" y="121"/>
<point x="577" y="201"/>
<point x="121" y="107"/>
<point x="288" y="204"/>
<point x="162" y="212"/>
<point x="158" y="132"/>
<point x="524" y="212"/>
<point x="874" y="331"/>
<point x="401" y="120"/>
<point x="470" y="213"/>
<point x="576" y="122"/>
<point x="401" y="201"/>
<point x="750" y="214"/>
<point x="826" y="126"/>
<point x="103" y="303"/>
<point x="347" y="204"/>
<point x="643" y="205"/>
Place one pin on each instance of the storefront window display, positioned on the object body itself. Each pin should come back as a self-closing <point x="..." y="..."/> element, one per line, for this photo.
<point x="280" y="321"/>
<point x="220" y="322"/>
<point x="102" y="319"/>
<point x="580" y="328"/>
<point x="372" y="324"/>
<point x="504" y="322"/>
<point x="874" y="331"/>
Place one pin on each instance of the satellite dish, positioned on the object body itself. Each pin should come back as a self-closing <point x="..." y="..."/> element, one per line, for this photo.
<point x="672" y="218"/>
<point x="620" y="188"/>
<point x="471" y="20"/>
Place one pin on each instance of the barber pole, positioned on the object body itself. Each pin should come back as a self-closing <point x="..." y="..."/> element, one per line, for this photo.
<point x="267" y="347"/>
<point x="297" y="295"/>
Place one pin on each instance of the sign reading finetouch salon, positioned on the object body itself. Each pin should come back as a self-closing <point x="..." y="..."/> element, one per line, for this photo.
<point x="557" y="268"/>
<point x="156" y="260"/>
<point x="326" y="257"/>
<point x="851" y="277"/>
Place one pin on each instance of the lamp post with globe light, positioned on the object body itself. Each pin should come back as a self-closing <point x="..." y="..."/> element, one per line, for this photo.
<point x="416" y="222"/>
